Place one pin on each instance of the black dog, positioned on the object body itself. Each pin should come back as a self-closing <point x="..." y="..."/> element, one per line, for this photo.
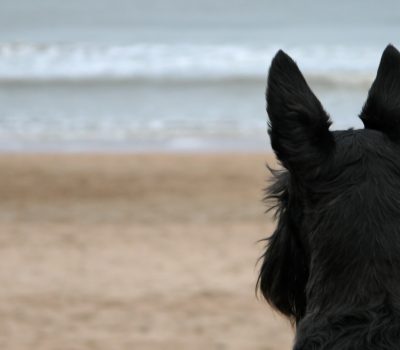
<point x="333" y="263"/>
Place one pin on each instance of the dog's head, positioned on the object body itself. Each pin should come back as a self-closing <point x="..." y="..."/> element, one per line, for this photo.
<point x="337" y="239"/>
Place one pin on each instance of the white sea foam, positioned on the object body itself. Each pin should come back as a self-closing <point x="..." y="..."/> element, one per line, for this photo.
<point x="322" y="64"/>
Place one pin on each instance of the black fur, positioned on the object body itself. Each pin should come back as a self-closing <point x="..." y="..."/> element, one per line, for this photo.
<point x="332" y="266"/>
<point x="382" y="109"/>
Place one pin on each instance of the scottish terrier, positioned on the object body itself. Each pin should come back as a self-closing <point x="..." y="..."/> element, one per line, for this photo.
<point x="332" y="266"/>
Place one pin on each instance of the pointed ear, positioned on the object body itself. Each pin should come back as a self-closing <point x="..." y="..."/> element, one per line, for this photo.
<point x="381" y="111"/>
<point x="298" y="125"/>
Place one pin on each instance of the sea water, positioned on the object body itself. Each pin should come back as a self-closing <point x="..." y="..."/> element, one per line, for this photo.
<point x="96" y="75"/>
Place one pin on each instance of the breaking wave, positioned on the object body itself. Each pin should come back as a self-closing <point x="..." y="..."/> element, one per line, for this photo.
<point x="326" y="65"/>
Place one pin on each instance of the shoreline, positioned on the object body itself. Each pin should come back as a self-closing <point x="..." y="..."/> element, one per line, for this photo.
<point x="178" y="145"/>
<point x="132" y="152"/>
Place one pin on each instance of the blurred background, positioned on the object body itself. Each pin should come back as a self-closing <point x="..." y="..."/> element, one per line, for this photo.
<point x="132" y="153"/>
<point x="175" y="75"/>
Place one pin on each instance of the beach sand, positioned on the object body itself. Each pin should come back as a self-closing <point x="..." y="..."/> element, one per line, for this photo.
<point x="134" y="252"/>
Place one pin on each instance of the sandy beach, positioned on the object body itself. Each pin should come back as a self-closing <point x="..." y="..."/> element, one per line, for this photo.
<point x="134" y="252"/>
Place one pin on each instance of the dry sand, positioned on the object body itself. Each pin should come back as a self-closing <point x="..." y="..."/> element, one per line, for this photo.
<point x="133" y="252"/>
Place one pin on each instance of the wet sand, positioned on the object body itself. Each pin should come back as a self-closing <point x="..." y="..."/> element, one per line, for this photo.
<point x="134" y="252"/>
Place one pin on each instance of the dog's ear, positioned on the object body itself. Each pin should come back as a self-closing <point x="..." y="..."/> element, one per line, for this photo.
<point x="298" y="124"/>
<point x="381" y="111"/>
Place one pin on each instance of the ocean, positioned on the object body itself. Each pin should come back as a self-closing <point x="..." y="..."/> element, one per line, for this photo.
<point x="176" y="75"/>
